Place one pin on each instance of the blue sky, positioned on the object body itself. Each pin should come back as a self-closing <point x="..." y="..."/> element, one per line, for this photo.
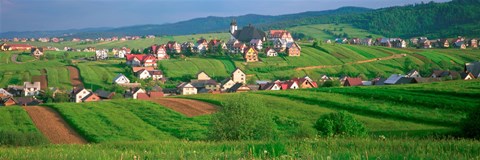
<point x="40" y="15"/>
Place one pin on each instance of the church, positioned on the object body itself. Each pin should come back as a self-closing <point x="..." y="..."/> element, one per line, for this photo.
<point x="246" y="34"/>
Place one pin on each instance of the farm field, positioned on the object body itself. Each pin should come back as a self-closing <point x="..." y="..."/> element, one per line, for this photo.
<point x="403" y="114"/>
<point x="100" y="74"/>
<point x="17" y="129"/>
<point x="133" y="44"/>
<point x="317" y="31"/>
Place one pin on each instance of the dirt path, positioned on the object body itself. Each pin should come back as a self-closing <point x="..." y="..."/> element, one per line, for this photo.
<point x="357" y="62"/>
<point x="13" y="58"/>
<point x="52" y="125"/>
<point x="74" y="76"/>
<point x="187" y="107"/>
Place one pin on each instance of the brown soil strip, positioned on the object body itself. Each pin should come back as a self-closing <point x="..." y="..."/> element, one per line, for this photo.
<point x="74" y="76"/>
<point x="357" y="62"/>
<point x="43" y="81"/>
<point x="52" y="125"/>
<point x="187" y="107"/>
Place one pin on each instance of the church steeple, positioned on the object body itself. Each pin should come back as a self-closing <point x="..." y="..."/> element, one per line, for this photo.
<point x="233" y="26"/>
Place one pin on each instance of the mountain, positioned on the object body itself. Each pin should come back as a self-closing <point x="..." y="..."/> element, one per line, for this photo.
<point x="197" y="25"/>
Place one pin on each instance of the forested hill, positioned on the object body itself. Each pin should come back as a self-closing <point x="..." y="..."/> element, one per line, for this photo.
<point x="458" y="17"/>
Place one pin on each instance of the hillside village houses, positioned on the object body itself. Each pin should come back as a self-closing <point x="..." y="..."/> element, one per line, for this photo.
<point x="36" y="52"/>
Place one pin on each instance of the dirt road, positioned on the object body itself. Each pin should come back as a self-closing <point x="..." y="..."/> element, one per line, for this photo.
<point x="52" y="125"/>
<point x="74" y="76"/>
<point x="357" y="62"/>
<point x="187" y="107"/>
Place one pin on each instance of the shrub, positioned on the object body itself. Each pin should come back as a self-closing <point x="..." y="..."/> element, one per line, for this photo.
<point x="471" y="124"/>
<point x="340" y="124"/>
<point x="242" y="117"/>
<point x="331" y="83"/>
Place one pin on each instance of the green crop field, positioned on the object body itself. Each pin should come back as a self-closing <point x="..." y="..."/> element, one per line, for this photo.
<point x="130" y="120"/>
<point x="179" y="69"/>
<point x="98" y="74"/>
<point x="133" y="44"/>
<point x="323" y="32"/>
<point x="17" y="129"/>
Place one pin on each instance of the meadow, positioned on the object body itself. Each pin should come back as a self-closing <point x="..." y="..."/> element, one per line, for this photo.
<point x="323" y="32"/>
<point x="17" y="129"/>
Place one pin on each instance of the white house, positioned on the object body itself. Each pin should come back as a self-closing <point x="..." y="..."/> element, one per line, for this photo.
<point x="78" y="94"/>
<point x="271" y="52"/>
<point x="133" y="93"/>
<point x="101" y="54"/>
<point x="227" y="84"/>
<point x="121" y="79"/>
<point x="413" y="74"/>
<point x="186" y="89"/>
<point x="156" y="74"/>
<point x="238" y="76"/>
<point x="257" y="43"/>
<point x="143" y="74"/>
<point x="121" y="53"/>
<point x="31" y="89"/>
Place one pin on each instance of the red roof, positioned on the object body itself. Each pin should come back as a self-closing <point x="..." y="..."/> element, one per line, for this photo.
<point x="154" y="94"/>
<point x="353" y="82"/>
<point x="140" y="57"/>
<point x="19" y="45"/>
<point x="142" y="96"/>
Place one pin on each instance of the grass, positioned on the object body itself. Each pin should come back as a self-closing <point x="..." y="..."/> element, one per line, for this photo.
<point x="17" y="129"/>
<point x="301" y="149"/>
<point x="130" y="120"/>
<point x="319" y="31"/>
<point x="99" y="74"/>
<point x="178" y="69"/>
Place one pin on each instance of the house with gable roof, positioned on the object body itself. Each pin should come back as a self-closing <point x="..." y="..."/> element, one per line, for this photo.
<point x="31" y="89"/>
<point x="250" y="54"/>
<point x="270" y="52"/>
<point x="121" y="79"/>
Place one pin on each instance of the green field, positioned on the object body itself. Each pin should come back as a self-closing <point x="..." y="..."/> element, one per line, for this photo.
<point x="405" y="114"/>
<point x="100" y="74"/>
<point x="17" y="129"/>
<point x="320" y="31"/>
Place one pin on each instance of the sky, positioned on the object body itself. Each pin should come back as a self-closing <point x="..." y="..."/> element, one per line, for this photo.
<point x="47" y="15"/>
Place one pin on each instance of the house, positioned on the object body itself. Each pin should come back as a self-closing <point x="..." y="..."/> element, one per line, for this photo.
<point x="247" y="33"/>
<point x="213" y="45"/>
<point x="393" y="79"/>
<point x="383" y="42"/>
<point x="18" y="47"/>
<point x="399" y="43"/>
<point x="187" y="47"/>
<point x="121" y="79"/>
<point x="473" y="43"/>
<point x="201" y="46"/>
<point x="238" y="76"/>
<point x="378" y="81"/>
<point x="257" y="44"/>
<point x="134" y="92"/>
<point x="186" y="89"/>
<point x="173" y="47"/>
<point x="443" y="43"/>
<point x="31" y="89"/>
<point x="324" y="78"/>
<point x="119" y="53"/>
<point x="141" y="60"/>
<point x="406" y="80"/>
<point x="231" y="43"/>
<point x="423" y="42"/>
<point x="293" y="49"/>
<point x="156" y="92"/>
<point x="238" y="87"/>
<point x="205" y="86"/>
<point x="156" y="74"/>
<point x="270" y="52"/>
<point x="466" y="76"/>
<point x="5" y="93"/>
<point x="203" y="76"/>
<point x="226" y="84"/>
<point x="7" y="101"/>
<point x="353" y="82"/>
<point x="341" y="40"/>
<point x="28" y="101"/>
<point x="80" y="94"/>
<point x="355" y="41"/>
<point x="159" y="52"/>
<point x="239" y="48"/>
<point x="36" y="52"/>
<point x="474" y="68"/>
<point x="280" y="34"/>
<point x="460" y="45"/>
<point x="280" y="45"/>
<point x="101" y="54"/>
<point x="271" y="86"/>
<point x="445" y="74"/>
<point x="15" y="90"/>
<point x="250" y="54"/>
<point x="291" y="85"/>
<point x="305" y="82"/>
<point x="104" y="94"/>
<point x="366" y="42"/>
<point x="143" y="74"/>
<point x="413" y="74"/>
<point x="328" y="41"/>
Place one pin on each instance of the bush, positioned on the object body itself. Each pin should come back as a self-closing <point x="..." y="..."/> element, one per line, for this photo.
<point x="242" y="117"/>
<point x="331" y="83"/>
<point x="340" y="124"/>
<point x="471" y="124"/>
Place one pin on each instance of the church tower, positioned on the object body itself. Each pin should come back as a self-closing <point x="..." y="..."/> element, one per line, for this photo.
<point x="233" y="26"/>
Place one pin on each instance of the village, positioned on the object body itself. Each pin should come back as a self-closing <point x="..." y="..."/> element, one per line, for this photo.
<point x="247" y="42"/>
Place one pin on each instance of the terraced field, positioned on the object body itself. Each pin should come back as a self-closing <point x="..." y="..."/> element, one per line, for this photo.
<point x="98" y="74"/>
<point x="319" y="31"/>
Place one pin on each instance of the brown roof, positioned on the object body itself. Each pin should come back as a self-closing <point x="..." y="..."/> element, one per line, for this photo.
<point x="353" y="82"/>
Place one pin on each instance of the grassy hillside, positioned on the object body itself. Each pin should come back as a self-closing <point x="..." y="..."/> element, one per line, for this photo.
<point x="130" y="120"/>
<point x="323" y="32"/>
<point x="17" y="129"/>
